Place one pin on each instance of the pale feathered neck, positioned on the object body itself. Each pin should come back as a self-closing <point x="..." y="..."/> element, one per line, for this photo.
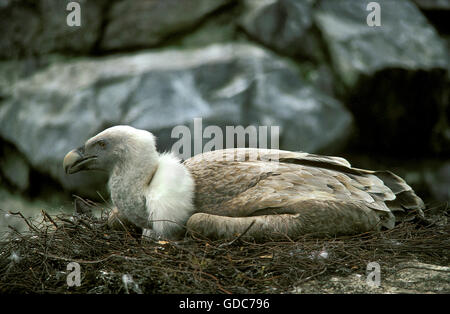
<point x="154" y="191"/>
<point x="170" y="197"/>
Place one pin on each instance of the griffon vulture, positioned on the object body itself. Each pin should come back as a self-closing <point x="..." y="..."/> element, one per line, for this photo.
<point x="220" y="194"/>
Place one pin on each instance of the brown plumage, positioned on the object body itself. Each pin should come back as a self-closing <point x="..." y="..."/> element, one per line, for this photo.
<point x="291" y="193"/>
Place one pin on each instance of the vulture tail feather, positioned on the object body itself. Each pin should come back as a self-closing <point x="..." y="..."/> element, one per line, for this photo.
<point x="406" y="201"/>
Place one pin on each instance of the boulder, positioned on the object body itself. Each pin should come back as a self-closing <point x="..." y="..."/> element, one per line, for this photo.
<point x="433" y="4"/>
<point x="286" y="26"/>
<point x="39" y="27"/>
<point x="437" y="12"/>
<point x="14" y="167"/>
<point x="409" y="277"/>
<point x="139" y="24"/>
<point x="393" y="77"/>
<point x="358" y="49"/>
<point x="58" y="108"/>
<point x="438" y="182"/>
<point x="221" y="27"/>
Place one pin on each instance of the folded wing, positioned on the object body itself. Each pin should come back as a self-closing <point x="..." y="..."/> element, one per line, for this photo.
<point x="324" y="190"/>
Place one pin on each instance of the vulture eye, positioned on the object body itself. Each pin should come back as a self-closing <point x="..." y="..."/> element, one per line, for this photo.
<point x="101" y="144"/>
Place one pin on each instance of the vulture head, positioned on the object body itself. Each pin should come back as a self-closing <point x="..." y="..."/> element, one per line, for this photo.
<point x="152" y="191"/>
<point x="111" y="149"/>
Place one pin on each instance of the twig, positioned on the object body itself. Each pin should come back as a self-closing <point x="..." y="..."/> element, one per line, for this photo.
<point x="88" y="262"/>
<point x="86" y="202"/>
<point x="219" y="286"/>
<point x="312" y="276"/>
<point x="240" y="236"/>
<point x="49" y="218"/>
<point x="25" y="219"/>
<point x="103" y="199"/>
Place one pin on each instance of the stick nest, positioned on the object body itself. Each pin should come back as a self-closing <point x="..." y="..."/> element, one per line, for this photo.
<point x="118" y="261"/>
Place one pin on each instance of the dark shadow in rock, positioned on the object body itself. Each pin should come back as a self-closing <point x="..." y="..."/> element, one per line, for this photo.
<point x="402" y="113"/>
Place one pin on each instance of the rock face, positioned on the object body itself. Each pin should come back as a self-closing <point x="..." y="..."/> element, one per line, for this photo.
<point x="394" y="76"/>
<point x="57" y="109"/>
<point x="437" y="12"/>
<point x="439" y="182"/>
<point x="39" y="27"/>
<point x="138" y="24"/>
<point x="31" y="28"/>
<point x="14" y="167"/>
<point x="285" y="25"/>
<point x="357" y="49"/>
<point x="433" y="4"/>
<point x="410" y="277"/>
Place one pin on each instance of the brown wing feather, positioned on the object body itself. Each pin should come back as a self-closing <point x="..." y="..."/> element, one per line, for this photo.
<point x="251" y="182"/>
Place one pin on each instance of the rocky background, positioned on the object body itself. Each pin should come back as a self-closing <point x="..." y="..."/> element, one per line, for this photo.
<point x="378" y="96"/>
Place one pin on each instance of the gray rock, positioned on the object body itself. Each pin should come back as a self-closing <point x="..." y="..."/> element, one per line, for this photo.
<point x="221" y="27"/>
<point x="309" y="119"/>
<point x="12" y="71"/>
<point x="415" y="277"/>
<point x="138" y="24"/>
<point x="357" y="49"/>
<point x="433" y="4"/>
<point x="284" y="25"/>
<point x="438" y="182"/>
<point x="408" y="277"/>
<point x="437" y="12"/>
<point x="60" y="107"/>
<point x="36" y="28"/>
<point x="15" y="168"/>
<point x="393" y="77"/>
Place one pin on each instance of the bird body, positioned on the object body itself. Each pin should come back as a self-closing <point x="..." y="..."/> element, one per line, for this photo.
<point x="220" y="194"/>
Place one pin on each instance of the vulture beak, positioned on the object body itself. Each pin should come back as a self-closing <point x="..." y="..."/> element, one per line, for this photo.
<point x="76" y="161"/>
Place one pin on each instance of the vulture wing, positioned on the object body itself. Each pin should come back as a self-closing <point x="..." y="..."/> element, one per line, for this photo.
<point x="299" y="192"/>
